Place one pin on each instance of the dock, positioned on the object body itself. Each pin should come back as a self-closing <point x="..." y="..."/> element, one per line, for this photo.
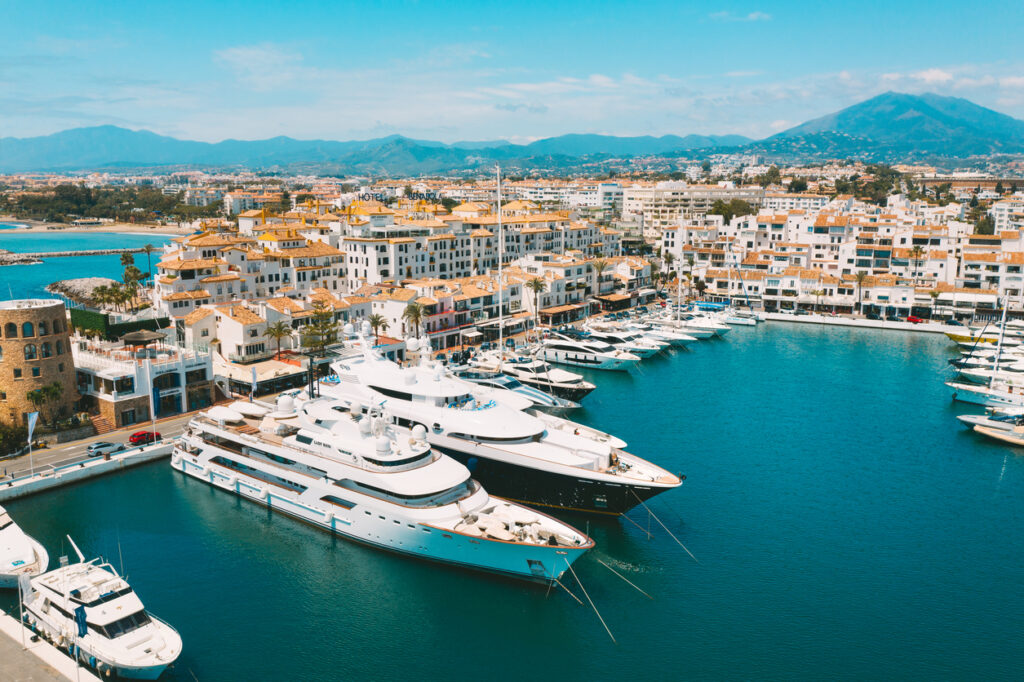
<point x="864" y="323"/>
<point x="11" y="258"/>
<point x="39" y="661"/>
<point x="53" y="476"/>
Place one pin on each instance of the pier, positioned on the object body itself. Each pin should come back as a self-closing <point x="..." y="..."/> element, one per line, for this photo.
<point x="38" y="661"/>
<point x="864" y="323"/>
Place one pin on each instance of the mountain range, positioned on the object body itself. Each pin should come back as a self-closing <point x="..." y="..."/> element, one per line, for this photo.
<point x="889" y="127"/>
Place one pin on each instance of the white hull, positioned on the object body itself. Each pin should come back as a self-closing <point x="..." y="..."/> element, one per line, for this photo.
<point x="395" y="531"/>
<point x="9" y="581"/>
<point x="588" y="360"/>
<point x="987" y="397"/>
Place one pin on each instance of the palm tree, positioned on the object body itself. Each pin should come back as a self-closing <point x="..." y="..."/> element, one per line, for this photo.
<point x="817" y="293"/>
<point x="600" y="265"/>
<point x="669" y="258"/>
<point x="148" y="249"/>
<point x="538" y="286"/>
<point x="277" y="331"/>
<point x="860" y="277"/>
<point x="916" y="256"/>
<point x="413" y="314"/>
<point x="127" y="259"/>
<point x="37" y="398"/>
<point x="101" y="295"/>
<point x="377" y="322"/>
<point x="935" y="298"/>
<point x="700" y="285"/>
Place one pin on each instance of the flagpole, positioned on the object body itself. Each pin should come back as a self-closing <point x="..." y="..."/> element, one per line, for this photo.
<point x="501" y="297"/>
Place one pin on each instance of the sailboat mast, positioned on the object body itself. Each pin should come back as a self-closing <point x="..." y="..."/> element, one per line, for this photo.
<point x="999" y="345"/>
<point x="501" y="296"/>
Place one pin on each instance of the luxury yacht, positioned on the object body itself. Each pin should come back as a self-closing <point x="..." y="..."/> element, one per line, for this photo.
<point x="355" y="473"/>
<point x="19" y="553"/>
<point x="683" y="326"/>
<point x="538" y="374"/>
<point x="519" y="454"/>
<point x="629" y="340"/>
<point x="588" y="353"/>
<point x="119" y="636"/>
<point x="996" y="395"/>
<point x="495" y="379"/>
<point x="670" y="336"/>
<point x="1000" y="422"/>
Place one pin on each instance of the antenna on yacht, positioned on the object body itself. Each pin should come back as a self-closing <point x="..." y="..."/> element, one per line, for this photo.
<point x="501" y="259"/>
<point x="81" y="557"/>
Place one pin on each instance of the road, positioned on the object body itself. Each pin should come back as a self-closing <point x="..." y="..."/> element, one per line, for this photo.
<point x="73" y="452"/>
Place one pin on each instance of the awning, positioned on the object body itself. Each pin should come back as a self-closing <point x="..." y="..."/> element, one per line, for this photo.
<point x="559" y="309"/>
<point x="611" y="298"/>
<point x="471" y="334"/>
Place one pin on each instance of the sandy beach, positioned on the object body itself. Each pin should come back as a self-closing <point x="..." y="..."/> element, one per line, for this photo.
<point x="124" y="228"/>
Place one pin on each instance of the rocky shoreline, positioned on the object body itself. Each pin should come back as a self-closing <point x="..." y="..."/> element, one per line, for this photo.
<point x="80" y="290"/>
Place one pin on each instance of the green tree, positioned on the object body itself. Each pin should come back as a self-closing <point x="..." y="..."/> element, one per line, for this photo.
<point x="985" y="225"/>
<point x="999" y="188"/>
<point x="706" y="167"/>
<point x="772" y="177"/>
<point x="37" y="398"/>
<point x="52" y="393"/>
<point x="817" y="293"/>
<point x="860" y="277"/>
<point x="600" y="265"/>
<point x="798" y="185"/>
<point x="935" y="298"/>
<point x="127" y="259"/>
<point x="731" y="209"/>
<point x="413" y="315"/>
<point x="285" y="203"/>
<point x="916" y="256"/>
<point x="148" y="249"/>
<point x="278" y="331"/>
<point x="538" y="286"/>
<point x="377" y="322"/>
<point x="322" y="329"/>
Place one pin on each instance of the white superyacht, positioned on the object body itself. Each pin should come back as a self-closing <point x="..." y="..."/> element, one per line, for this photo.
<point x="362" y="477"/>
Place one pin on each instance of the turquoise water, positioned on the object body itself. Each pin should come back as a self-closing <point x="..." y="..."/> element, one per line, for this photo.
<point x="846" y="525"/>
<point x="12" y="226"/>
<point x="26" y="281"/>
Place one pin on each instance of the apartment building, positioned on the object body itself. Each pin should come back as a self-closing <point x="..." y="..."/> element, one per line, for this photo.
<point x="666" y="203"/>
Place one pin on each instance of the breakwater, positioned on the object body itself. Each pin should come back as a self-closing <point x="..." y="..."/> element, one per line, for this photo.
<point x="9" y="258"/>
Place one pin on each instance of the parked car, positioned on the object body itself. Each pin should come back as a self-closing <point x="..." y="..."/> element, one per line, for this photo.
<point x="955" y="323"/>
<point x="144" y="437"/>
<point x="892" y="318"/>
<point x="873" y="316"/>
<point x="800" y="311"/>
<point x="914" y="319"/>
<point x="101" y="448"/>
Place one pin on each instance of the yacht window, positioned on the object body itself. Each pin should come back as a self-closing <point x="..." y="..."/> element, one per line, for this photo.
<point x="488" y="439"/>
<point x="393" y="394"/>
<point x="396" y="462"/>
<point x="436" y="499"/>
<point x="305" y="440"/>
<point x="122" y="626"/>
<point x="102" y="599"/>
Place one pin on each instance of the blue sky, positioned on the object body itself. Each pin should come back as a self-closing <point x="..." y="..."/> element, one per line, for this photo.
<point x="487" y="70"/>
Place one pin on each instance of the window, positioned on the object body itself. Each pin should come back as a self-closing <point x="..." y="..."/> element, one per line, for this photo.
<point x="43" y="329"/>
<point x="27" y="330"/>
<point x="30" y="352"/>
<point x="60" y="347"/>
<point x="35" y="371"/>
<point x="11" y="330"/>
<point x="45" y="349"/>
<point x="17" y="372"/>
<point x="60" y="367"/>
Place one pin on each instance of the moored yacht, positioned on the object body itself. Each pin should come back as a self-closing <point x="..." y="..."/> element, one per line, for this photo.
<point x="533" y="458"/>
<point x="537" y="373"/>
<point x="356" y="474"/>
<point x="670" y="336"/>
<point x="588" y="353"/>
<point x="495" y="379"/>
<point x="996" y="395"/>
<point x="19" y="553"/>
<point x="629" y="340"/>
<point x="119" y="636"/>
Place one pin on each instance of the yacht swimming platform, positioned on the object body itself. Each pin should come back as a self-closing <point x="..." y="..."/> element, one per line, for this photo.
<point x="50" y="477"/>
<point x="39" y="661"/>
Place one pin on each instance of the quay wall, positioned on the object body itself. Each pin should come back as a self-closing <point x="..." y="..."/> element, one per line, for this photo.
<point x="839" y="321"/>
<point x="53" y="477"/>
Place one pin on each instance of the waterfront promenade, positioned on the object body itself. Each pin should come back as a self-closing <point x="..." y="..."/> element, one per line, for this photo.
<point x="39" y="661"/>
<point x="865" y="323"/>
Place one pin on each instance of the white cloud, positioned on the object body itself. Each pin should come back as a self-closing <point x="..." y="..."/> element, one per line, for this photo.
<point x="933" y="76"/>
<point x="741" y="74"/>
<point x="1011" y="82"/>
<point x="729" y="16"/>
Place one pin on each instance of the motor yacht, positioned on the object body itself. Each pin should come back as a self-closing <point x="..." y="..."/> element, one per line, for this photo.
<point x="670" y="336"/>
<point x="592" y="354"/>
<point x="996" y="395"/>
<point x="536" y="373"/>
<point x="1000" y="422"/>
<point x="19" y="553"/>
<point x="118" y="635"/>
<point x="523" y="455"/>
<point x="629" y="340"/>
<point x="347" y="468"/>
<point x="495" y="379"/>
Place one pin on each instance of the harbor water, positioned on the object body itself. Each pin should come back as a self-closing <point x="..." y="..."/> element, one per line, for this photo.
<point x="30" y="281"/>
<point x="846" y="526"/>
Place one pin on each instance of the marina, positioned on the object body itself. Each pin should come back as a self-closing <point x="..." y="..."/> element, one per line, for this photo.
<point x="796" y="513"/>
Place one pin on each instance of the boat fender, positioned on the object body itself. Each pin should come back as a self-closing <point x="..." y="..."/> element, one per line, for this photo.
<point x="92" y="661"/>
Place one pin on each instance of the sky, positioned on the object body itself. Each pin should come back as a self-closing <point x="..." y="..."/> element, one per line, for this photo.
<point x="483" y="70"/>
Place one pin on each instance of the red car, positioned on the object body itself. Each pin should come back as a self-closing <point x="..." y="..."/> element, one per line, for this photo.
<point x="144" y="437"/>
<point x="914" y="319"/>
